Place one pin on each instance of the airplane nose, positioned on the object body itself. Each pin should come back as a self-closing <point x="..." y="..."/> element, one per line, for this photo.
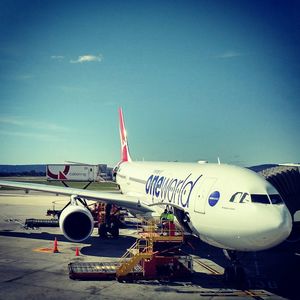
<point x="286" y="224"/>
<point x="279" y="227"/>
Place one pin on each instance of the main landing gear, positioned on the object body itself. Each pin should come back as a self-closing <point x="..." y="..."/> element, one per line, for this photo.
<point x="109" y="224"/>
<point x="111" y="228"/>
<point x="235" y="273"/>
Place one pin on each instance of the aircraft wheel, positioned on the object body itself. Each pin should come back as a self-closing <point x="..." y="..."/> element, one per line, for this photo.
<point x="102" y="230"/>
<point x="229" y="275"/>
<point x="235" y="275"/>
<point x="240" y="276"/>
<point x="114" y="230"/>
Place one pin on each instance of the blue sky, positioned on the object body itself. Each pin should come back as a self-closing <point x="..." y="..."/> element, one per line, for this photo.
<point x="196" y="80"/>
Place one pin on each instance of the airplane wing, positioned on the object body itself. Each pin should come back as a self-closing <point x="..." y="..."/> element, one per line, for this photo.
<point x="117" y="198"/>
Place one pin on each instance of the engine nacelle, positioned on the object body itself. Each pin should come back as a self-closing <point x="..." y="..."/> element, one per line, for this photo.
<point x="76" y="223"/>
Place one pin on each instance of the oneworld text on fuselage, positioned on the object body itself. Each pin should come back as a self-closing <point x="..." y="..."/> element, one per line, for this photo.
<point x="173" y="190"/>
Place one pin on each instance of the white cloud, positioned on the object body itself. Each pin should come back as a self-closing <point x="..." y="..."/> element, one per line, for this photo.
<point x="35" y="135"/>
<point x="26" y="128"/>
<point x="21" y="122"/>
<point x="24" y="77"/>
<point x="57" y="57"/>
<point x="15" y="77"/>
<point x="229" y="54"/>
<point x="87" y="58"/>
<point x="110" y="103"/>
<point x="72" y="89"/>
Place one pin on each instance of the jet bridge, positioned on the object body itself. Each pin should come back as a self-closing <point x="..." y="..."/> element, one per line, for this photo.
<point x="286" y="179"/>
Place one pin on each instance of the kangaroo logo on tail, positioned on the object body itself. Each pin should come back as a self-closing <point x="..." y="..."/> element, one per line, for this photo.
<point x="125" y="156"/>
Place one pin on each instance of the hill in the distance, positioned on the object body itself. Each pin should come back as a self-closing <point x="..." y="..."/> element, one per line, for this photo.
<point x="22" y="170"/>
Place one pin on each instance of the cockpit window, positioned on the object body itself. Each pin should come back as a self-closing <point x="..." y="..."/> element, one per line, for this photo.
<point x="276" y="199"/>
<point x="240" y="197"/>
<point x="260" y="198"/>
<point x="236" y="197"/>
<point x="245" y="198"/>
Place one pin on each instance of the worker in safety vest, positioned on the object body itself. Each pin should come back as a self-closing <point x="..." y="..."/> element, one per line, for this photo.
<point x="170" y="223"/>
<point x="170" y="216"/>
<point x="164" y="216"/>
<point x="163" y="221"/>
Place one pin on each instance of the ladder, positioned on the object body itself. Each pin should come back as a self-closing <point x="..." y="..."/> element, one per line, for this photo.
<point x="134" y="255"/>
<point x="143" y="247"/>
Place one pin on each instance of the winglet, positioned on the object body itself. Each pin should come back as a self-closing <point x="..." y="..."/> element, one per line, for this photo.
<point x="125" y="156"/>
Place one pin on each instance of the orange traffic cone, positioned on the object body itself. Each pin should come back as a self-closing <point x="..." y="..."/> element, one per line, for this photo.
<point x="55" y="248"/>
<point x="77" y="252"/>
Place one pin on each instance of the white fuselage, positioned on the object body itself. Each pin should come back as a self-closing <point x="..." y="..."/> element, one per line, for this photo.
<point x="228" y="206"/>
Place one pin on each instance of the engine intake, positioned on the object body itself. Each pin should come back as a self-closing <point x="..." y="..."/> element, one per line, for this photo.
<point x="76" y="223"/>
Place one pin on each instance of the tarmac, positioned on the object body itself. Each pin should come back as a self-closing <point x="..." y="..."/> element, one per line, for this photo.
<point x="30" y="270"/>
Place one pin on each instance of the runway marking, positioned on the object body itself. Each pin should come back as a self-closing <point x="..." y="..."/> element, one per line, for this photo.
<point x="12" y="220"/>
<point x="257" y="294"/>
<point x="207" y="267"/>
<point x="254" y="294"/>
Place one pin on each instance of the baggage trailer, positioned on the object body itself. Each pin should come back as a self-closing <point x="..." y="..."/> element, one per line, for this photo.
<point x="34" y="223"/>
<point x="98" y="270"/>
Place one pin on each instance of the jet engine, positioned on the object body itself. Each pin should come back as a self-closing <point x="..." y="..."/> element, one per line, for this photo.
<point x="76" y="222"/>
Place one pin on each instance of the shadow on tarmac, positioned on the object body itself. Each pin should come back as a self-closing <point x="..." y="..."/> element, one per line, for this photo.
<point x="95" y="246"/>
<point x="278" y="267"/>
<point x="109" y="247"/>
<point x="34" y="235"/>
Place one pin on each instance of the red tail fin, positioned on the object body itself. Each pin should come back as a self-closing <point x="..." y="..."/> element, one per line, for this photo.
<point x="125" y="156"/>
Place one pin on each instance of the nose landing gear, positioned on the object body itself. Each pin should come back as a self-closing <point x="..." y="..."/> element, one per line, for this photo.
<point x="235" y="273"/>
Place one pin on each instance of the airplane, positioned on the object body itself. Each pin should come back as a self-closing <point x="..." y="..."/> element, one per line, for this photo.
<point x="226" y="206"/>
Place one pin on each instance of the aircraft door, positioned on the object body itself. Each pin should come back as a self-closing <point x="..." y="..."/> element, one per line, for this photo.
<point x="205" y="187"/>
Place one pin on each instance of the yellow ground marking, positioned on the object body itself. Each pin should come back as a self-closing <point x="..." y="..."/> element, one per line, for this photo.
<point x="45" y="250"/>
